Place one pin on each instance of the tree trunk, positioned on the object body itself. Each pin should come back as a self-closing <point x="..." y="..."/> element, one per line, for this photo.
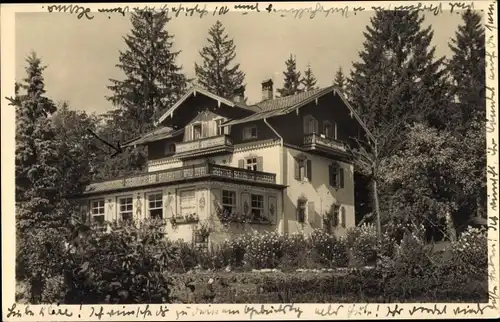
<point x="450" y="228"/>
<point x="376" y="207"/>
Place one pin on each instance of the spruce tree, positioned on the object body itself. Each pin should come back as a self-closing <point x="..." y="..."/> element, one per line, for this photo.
<point x="339" y="81"/>
<point x="153" y="80"/>
<point x="291" y="84"/>
<point x="397" y="80"/>
<point x="309" y="80"/>
<point x="37" y="169"/>
<point x="218" y="73"/>
<point x="467" y="68"/>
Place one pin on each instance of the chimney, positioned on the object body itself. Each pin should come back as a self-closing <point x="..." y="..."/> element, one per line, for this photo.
<point x="239" y="94"/>
<point x="267" y="89"/>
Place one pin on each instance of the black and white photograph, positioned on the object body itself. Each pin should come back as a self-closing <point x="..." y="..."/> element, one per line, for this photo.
<point x="207" y="154"/>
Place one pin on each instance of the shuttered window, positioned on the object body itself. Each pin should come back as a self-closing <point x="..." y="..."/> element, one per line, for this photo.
<point x="303" y="169"/>
<point x="301" y="210"/>
<point x="342" y="217"/>
<point x="336" y="176"/>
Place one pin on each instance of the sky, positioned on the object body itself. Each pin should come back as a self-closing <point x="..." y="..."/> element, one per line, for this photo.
<point x="81" y="55"/>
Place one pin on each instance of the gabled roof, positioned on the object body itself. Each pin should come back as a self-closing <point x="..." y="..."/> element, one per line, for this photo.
<point x="285" y="105"/>
<point x="193" y="91"/>
<point x="159" y="133"/>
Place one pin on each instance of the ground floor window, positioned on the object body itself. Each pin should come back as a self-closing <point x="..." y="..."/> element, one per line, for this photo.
<point x="257" y="207"/>
<point x="126" y="209"/>
<point x="187" y="202"/>
<point x="97" y="211"/>
<point x="155" y="205"/>
<point x="228" y="201"/>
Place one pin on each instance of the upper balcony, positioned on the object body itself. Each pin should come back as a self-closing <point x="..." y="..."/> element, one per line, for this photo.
<point x="323" y="144"/>
<point x="200" y="171"/>
<point x="205" y="146"/>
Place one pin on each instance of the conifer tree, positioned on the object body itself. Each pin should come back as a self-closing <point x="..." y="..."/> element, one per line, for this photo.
<point x="37" y="170"/>
<point x="397" y="80"/>
<point x="339" y="81"/>
<point x="153" y="80"/>
<point x="218" y="73"/>
<point x="467" y="68"/>
<point x="291" y="84"/>
<point x="309" y="80"/>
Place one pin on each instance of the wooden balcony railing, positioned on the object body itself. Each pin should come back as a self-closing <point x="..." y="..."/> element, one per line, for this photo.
<point x="181" y="174"/>
<point x="314" y="141"/>
<point x="204" y="146"/>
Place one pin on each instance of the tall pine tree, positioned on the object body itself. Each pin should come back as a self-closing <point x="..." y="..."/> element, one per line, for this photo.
<point x="153" y="80"/>
<point x="218" y="73"/>
<point x="397" y="80"/>
<point x="291" y="84"/>
<point x="37" y="160"/>
<point x="467" y="68"/>
<point x="309" y="80"/>
<point x="339" y="81"/>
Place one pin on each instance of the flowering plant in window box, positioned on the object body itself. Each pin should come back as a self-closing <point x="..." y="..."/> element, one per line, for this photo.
<point x="229" y="216"/>
<point x="191" y="218"/>
<point x="260" y="220"/>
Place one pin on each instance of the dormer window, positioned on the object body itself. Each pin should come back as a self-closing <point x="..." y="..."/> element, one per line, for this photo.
<point x="169" y="148"/>
<point x="219" y="130"/>
<point x="250" y="133"/>
<point x="196" y="131"/>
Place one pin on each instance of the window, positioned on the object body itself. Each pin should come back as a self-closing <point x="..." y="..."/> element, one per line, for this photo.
<point x="219" y="130"/>
<point x="97" y="211"/>
<point x="170" y="149"/>
<point x="301" y="210"/>
<point x="330" y="129"/>
<point x="336" y="176"/>
<point x="196" y="131"/>
<point x="251" y="164"/>
<point x="249" y="133"/>
<point x="187" y="202"/>
<point x="303" y="168"/>
<point x="126" y="208"/>
<point x="228" y="201"/>
<point x="155" y="205"/>
<point x="310" y="125"/>
<point x="257" y="202"/>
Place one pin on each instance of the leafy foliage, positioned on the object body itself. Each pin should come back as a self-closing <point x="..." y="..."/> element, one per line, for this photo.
<point x="292" y="80"/>
<point x="218" y="73"/>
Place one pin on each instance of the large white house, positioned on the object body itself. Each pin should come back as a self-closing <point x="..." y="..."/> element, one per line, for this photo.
<point x="279" y="165"/>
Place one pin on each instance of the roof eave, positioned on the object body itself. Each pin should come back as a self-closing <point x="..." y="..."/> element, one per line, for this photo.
<point x="193" y="91"/>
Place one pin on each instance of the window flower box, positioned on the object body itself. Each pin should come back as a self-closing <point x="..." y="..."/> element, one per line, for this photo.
<point x="184" y="219"/>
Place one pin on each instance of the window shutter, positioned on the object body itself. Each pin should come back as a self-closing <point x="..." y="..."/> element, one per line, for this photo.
<point x="316" y="126"/>
<point x="342" y="216"/>
<point x="330" y="174"/>
<point x="306" y="125"/>
<point x="204" y="129"/>
<point x="311" y="212"/>
<point x="341" y="176"/>
<point x="297" y="169"/>
<point x="241" y="163"/>
<point x="260" y="163"/>
<point x="309" y="170"/>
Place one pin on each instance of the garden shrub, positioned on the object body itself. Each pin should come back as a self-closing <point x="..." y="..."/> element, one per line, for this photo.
<point x="39" y="258"/>
<point x="329" y="250"/>
<point x="469" y="254"/>
<point x="263" y="250"/>
<point x="124" y="266"/>
<point x="362" y="244"/>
